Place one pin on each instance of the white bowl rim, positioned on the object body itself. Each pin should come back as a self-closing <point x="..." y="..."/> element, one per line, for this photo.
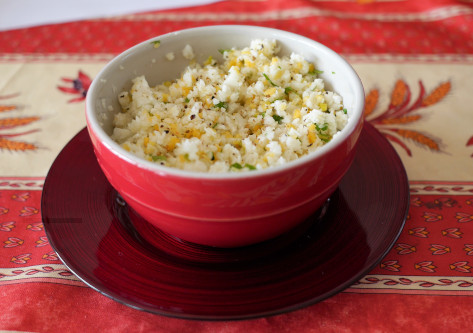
<point x="355" y="117"/>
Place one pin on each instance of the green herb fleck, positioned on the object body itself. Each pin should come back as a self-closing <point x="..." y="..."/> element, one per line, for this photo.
<point x="282" y="98"/>
<point x="158" y="158"/>
<point x="222" y="51"/>
<point x="223" y="105"/>
<point x="156" y="43"/>
<point x="187" y="100"/>
<point x="215" y="125"/>
<point x="150" y="114"/>
<point x="239" y="166"/>
<point x="345" y="111"/>
<point x="333" y="72"/>
<point x="325" y="137"/>
<point x="316" y="72"/>
<point x="288" y="90"/>
<point x="278" y="118"/>
<point x="321" y="129"/>
<point x="236" y="166"/>
<point x="269" y="80"/>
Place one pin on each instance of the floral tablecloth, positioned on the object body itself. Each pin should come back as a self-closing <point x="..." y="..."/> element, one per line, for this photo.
<point x="415" y="59"/>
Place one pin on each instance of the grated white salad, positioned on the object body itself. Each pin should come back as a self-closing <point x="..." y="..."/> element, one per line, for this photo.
<point x="255" y="110"/>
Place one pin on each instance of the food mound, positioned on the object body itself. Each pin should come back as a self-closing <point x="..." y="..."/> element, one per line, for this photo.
<point x="253" y="111"/>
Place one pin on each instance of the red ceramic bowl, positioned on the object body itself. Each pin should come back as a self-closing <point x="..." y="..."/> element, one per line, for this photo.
<point x="230" y="209"/>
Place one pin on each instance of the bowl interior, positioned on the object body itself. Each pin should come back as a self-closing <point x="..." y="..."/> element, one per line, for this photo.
<point x="146" y="59"/>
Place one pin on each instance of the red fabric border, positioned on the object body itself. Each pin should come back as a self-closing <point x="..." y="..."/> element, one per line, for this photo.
<point x="448" y="25"/>
<point x="32" y="310"/>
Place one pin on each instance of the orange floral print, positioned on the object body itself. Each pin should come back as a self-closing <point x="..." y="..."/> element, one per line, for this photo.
<point x="370" y="101"/>
<point x="4" y="108"/>
<point x="401" y="111"/>
<point x="437" y="94"/>
<point x="399" y="94"/>
<point x="7" y="141"/>
<point x="13" y="122"/>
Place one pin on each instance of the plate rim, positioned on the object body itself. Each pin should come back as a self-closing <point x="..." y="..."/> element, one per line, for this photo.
<point x="212" y="317"/>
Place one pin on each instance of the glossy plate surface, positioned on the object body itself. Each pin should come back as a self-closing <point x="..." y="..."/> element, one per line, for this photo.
<point x="120" y="255"/>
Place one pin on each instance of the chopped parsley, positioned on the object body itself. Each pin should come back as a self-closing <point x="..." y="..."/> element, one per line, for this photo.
<point x="222" y="51"/>
<point x="282" y="98"/>
<point x="236" y="166"/>
<point x="223" y="105"/>
<point x="156" y="43"/>
<point x="158" y="158"/>
<point x="215" y="125"/>
<point x="288" y="90"/>
<point x="321" y="129"/>
<point x="187" y="100"/>
<point x="321" y="132"/>
<point x="269" y="80"/>
<point x="325" y="138"/>
<point x="279" y="118"/>
<point x="316" y="72"/>
<point x="239" y="166"/>
<point x="345" y="111"/>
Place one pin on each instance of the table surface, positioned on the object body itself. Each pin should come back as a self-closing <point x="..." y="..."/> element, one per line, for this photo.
<point x="415" y="60"/>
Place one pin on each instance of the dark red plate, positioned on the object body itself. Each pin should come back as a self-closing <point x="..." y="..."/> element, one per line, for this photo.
<point x="115" y="252"/>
